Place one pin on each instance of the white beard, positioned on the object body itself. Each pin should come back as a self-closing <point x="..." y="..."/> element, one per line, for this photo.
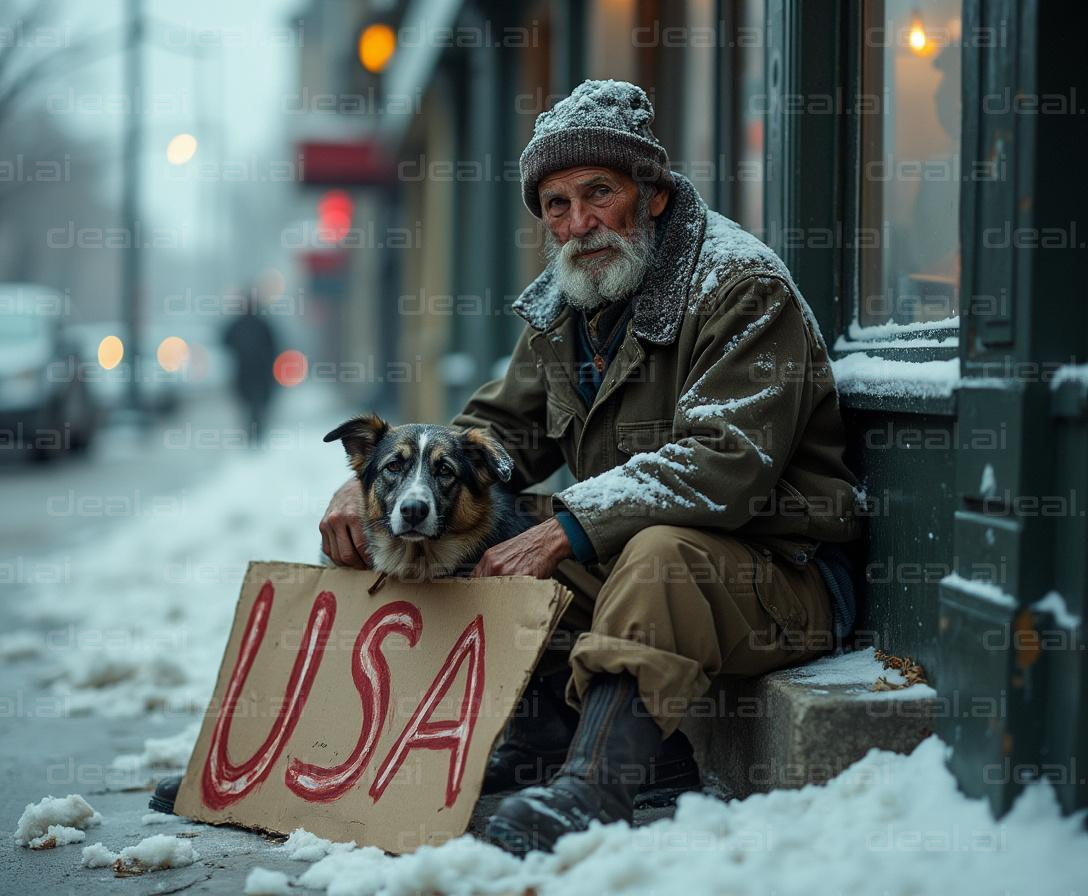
<point x="589" y="283"/>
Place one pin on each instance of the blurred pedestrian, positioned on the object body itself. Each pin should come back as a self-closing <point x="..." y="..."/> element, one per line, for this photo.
<point x="251" y="341"/>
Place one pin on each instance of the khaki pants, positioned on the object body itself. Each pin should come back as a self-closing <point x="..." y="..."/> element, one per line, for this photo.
<point x="678" y="607"/>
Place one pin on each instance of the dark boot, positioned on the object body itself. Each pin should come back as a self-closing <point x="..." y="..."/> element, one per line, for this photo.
<point x="674" y="771"/>
<point x="607" y="764"/>
<point x="166" y="792"/>
<point x="537" y="737"/>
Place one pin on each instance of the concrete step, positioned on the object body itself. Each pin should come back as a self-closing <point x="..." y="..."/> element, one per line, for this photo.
<point x="805" y="724"/>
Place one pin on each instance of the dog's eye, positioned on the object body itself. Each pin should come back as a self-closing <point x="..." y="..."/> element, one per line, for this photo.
<point x="445" y="470"/>
<point x="394" y="466"/>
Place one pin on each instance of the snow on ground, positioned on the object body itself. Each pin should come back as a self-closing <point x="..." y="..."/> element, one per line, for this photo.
<point x="151" y="854"/>
<point x="161" y="752"/>
<point x="890" y="823"/>
<point x="62" y="819"/>
<point x="20" y="645"/>
<point x="307" y="847"/>
<point x="262" y="882"/>
<point x="141" y="624"/>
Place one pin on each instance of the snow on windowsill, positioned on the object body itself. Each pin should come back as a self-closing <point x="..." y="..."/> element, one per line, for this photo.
<point x="861" y="374"/>
<point x="987" y="591"/>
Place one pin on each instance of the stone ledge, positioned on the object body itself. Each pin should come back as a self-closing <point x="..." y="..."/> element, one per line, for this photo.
<point x="806" y="724"/>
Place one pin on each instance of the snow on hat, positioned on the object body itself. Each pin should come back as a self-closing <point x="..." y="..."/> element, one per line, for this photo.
<point x="602" y="124"/>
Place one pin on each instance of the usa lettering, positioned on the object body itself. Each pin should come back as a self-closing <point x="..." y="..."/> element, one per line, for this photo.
<point x="224" y="782"/>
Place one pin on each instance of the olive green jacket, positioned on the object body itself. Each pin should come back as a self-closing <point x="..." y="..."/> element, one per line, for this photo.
<point x="718" y="410"/>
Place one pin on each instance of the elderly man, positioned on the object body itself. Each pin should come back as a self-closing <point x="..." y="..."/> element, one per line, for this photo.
<point x="671" y="364"/>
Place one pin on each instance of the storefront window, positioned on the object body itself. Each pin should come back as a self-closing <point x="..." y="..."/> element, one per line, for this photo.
<point x="909" y="256"/>
<point x="751" y="87"/>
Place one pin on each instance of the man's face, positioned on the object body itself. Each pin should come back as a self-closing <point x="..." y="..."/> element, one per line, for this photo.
<point x="599" y="232"/>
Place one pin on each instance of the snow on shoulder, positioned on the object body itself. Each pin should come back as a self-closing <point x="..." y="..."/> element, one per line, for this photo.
<point x="729" y="250"/>
<point x="55" y="821"/>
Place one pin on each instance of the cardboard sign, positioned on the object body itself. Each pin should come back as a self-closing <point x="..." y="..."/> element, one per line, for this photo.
<point x="364" y="717"/>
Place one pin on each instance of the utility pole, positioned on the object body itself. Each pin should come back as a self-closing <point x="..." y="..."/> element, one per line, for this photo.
<point x="132" y="271"/>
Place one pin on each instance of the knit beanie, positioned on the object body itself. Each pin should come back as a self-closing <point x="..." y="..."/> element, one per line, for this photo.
<point x="601" y="124"/>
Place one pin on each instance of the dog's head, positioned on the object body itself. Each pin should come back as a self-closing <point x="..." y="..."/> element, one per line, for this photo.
<point x="421" y="484"/>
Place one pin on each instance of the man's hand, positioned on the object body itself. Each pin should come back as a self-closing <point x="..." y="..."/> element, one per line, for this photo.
<point x="342" y="536"/>
<point x="535" y="552"/>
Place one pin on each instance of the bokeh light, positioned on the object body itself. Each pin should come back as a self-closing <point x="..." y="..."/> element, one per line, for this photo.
<point x="181" y="149"/>
<point x="110" y="352"/>
<point x="917" y="37"/>
<point x="290" y="368"/>
<point x="172" y="353"/>
<point x="377" y="44"/>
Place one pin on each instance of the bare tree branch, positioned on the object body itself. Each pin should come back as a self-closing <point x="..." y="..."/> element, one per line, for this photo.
<point x="61" y="63"/>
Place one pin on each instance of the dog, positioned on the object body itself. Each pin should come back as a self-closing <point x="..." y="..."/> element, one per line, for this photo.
<point x="434" y="497"/>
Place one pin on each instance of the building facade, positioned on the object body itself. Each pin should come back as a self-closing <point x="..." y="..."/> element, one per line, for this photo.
<point x="903" y="158"/>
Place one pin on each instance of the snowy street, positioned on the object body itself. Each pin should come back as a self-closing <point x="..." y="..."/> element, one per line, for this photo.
<point x="107" y="669"/>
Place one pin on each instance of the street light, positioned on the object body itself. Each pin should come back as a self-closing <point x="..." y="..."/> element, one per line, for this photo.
<point x="377" y="44"/>
<point x="181" y="149"/>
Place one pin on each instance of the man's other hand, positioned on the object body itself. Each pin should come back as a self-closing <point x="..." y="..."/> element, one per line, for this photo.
<point x="342" y="536"/>
<point x="535" y="552"/>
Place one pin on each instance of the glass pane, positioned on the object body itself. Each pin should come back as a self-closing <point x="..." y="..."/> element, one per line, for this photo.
<point x="910" y="178"/>
<point x="751" y="33"/>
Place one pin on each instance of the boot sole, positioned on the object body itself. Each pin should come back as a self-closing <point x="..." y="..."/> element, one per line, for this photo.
<point x="682" y="778"/>
<point x="156" y="804"/>
<point x="511" y="838"/>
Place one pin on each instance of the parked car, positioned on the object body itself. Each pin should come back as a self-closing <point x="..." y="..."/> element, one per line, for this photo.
<point x="46" y="406"/>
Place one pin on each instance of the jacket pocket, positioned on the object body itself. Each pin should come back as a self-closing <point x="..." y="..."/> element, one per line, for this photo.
<point x="775" y="589"/>
<point x="791" y="504"/>
<point x="558" y="419"/>
<point x="643" y="435"/>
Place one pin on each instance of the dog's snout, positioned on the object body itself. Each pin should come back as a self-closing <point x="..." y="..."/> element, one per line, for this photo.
<point x="414" y="512"/>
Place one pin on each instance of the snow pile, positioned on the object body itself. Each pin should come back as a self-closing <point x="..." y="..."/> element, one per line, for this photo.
<point x="147" y="611"/>
<point x="55" y="821"/>
<point x="157" y="818"/>
<point x="890" y="822"/>
<point x="262" y="882"/>
<point x="58" y="835"/>
<point x="20" y="645"/>
<point x="307" y="847"/>
<point x="161" y="752"/>
<point x="862" y="374"/>
<point x="151" y="854"/>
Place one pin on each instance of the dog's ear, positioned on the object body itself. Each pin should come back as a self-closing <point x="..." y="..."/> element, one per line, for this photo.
<point x="359" y="436"/>
<point x="487" y="454"/>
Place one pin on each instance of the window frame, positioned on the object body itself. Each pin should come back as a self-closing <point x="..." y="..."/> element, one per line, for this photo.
<point x="897" y="345"/>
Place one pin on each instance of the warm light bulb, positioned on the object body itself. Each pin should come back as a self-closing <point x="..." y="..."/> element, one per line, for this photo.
<point x="917" y="38"/>
<point x="377" y="44"/>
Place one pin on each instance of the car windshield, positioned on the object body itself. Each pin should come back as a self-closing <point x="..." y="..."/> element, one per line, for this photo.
<point x="16" y="328"/>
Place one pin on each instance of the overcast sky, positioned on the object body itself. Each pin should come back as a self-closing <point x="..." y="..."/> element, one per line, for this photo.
<point x="234" y="92"/>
